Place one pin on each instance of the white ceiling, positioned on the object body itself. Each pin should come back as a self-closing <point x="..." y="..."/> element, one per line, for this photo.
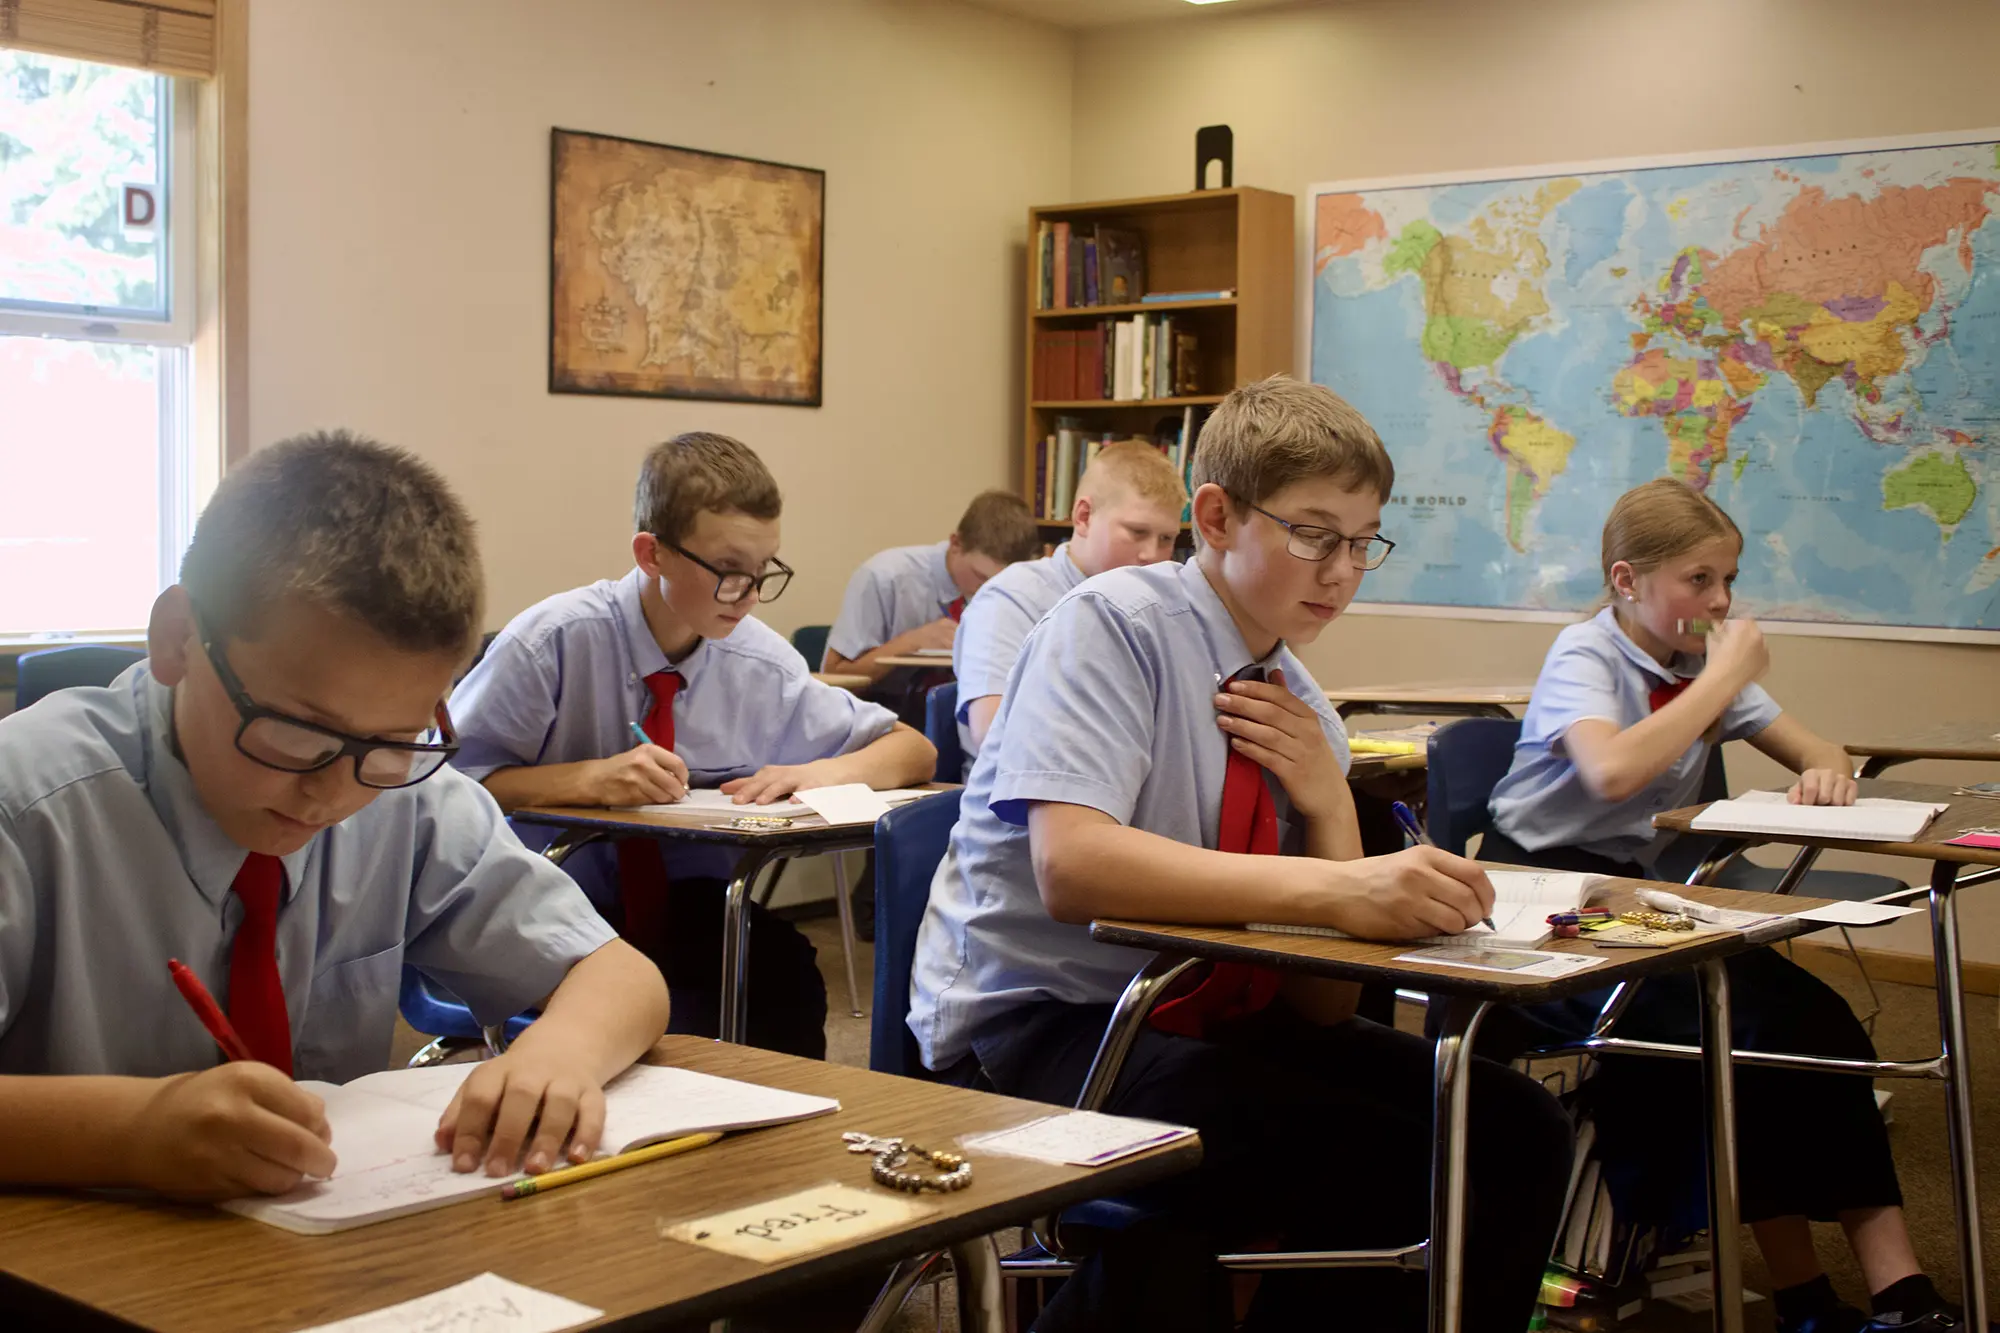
<point x="1105" y="13"/>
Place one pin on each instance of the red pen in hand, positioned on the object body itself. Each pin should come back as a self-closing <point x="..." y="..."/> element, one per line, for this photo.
<point x="208" y="1011"/>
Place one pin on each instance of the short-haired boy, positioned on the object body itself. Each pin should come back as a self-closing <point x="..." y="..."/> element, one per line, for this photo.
<point x="1157" y="739"/>
<point x="910" y="597"/>
<point x="265" y="798"/>
<point x="1127" y="512"/>
<point x="547" y="718"/>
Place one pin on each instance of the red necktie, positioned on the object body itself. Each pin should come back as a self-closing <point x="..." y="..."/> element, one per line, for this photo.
<point x="256" y="995"/>
<point x="956" y="608"/>
<point x="642" y="875"/>
<point x="1665" y="694"/>
<point x="1249" y="823"/>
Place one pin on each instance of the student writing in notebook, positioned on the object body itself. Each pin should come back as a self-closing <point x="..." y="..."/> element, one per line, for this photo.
<point x="265" y="798"/>
<point x="1620" y="727"/>
<point x="1127" y="512"/>
<point x="1160" y="753"/>
<point x="909" y="598"/>
<point x="547" y="718"/>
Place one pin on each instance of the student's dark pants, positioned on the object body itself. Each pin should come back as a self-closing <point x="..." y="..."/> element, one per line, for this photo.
<point x="787" y="992"/>
<point x="1312" y="1138"/>
<point x="1807" y="1144"/>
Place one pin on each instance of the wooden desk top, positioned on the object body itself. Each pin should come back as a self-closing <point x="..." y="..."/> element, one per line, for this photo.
<point x="1953" y="740"/>
<point x="172" y="1267"/>
<point x="1966" y="812"/>
<point x="1363" y="960"/>
<point x="807" y="830"/>
<point x="916" y="660"/>
<point x="843" y="680"/>
<point x="1434" y="692"/>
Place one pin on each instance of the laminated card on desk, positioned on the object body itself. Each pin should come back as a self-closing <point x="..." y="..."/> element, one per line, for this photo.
<point x="1079" y="1138"/>
<point x="488" y="1303"/>
<point x="389" y="1167"/>
<point x="1870" y="819"/>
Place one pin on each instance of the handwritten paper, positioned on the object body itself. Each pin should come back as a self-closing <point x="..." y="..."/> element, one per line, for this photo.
<point x="710" y="800"/>
<point x="802" y="1223"/>
<point x="1079" y="1138"/>
<point x="488" y="1303"/>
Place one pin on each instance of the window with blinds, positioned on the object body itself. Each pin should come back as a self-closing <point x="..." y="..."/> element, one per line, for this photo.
<point x="166" y="36"/>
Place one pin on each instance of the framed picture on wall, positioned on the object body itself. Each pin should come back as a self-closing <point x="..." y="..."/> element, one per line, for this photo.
<point x="675" y="273"/>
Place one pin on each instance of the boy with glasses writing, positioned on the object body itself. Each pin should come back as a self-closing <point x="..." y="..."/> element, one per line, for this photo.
<point x="264" y="799"/>
<point x="548" y="718"/>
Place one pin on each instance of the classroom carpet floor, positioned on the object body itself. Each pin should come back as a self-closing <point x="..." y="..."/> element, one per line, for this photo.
<point x="1906" y="1028"/>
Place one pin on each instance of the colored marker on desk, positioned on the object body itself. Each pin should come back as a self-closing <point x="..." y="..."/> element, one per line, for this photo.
<point x="1408" y="819"/>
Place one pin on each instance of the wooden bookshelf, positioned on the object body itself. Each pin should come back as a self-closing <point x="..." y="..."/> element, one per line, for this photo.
<point x="1240" y="240"/>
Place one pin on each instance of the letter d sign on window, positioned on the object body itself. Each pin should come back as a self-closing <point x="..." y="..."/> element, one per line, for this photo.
<point x="142" y="209"/>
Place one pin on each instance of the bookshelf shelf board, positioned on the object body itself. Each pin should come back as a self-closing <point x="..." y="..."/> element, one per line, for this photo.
<point x="1203" y="400"/>
<point x="1141" y="308"/>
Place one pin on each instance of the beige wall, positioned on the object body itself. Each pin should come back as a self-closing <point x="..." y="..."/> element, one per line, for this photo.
<point x="399" y="284"/>
<point x="1374" y="88"/>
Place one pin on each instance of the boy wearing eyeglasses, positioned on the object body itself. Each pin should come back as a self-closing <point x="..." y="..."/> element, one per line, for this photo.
<point x="266" y="800"/>
<point x="548" y="717"/>
<point x="1160" y="754"/>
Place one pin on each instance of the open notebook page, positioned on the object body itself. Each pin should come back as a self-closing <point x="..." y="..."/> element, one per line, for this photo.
<point x="1870" y="819"/>
<point x="389" y="1167"/>
<point x="1522" y="902"/>
<point x="711" y="800"/>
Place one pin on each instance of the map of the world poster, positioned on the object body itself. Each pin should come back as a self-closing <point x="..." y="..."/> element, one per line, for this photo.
<point x="1810" y="336"/>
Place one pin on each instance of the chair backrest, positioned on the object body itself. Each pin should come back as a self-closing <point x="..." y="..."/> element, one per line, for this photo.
<point x="810" y="640"/>
<point x="941" y="726"/>
<point x="1466" y="759"/>
<point x="909" y="842"/>
<point x="44" y="672"/>
<point x="436" y="1012"/>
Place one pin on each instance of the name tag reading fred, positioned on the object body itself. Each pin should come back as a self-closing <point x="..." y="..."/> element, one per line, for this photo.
<point x="815" y="1219"/>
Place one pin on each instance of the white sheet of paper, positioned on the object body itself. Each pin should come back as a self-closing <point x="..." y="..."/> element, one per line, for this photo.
<point x="1870" y="819"/>
<point x="1519" y="962"/>
<point x="848" y="803"/>
<point x="1079" y="1138"/>
<point x="814" y="1219"/>
<point x="1856" y="914"/>
<point x="488" y="1303"/>
<point x="945" y="653"/>
<point x="711" y="800"/>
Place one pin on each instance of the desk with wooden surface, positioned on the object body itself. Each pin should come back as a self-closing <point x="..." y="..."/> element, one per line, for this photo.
<point x="1963" y="813"/>
<point x="1471" y="994"/>
<point x="1443" y="698"/>
<point x="807" y="835"/>
<point x="1975" y="741"/>
<point x="842" y="680"/>
<point x="921" y="661"/>
<point x="80" y="1260"/>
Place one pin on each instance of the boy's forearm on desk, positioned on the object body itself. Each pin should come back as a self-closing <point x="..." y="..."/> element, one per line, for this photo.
<point x="539" y="784"/>
<point x="901" y="758"/>
<point x="611" y="1008"/>
<point x="1091" y="866"/>
<point x="69" y="1130"/>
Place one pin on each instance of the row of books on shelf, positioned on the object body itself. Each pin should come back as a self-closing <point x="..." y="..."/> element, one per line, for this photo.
<point x="1118" y="360"/>
<point x="1086" y="264"/>
<point x="1068" y="449"/>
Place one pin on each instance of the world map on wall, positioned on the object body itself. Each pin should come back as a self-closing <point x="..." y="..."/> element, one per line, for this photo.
<point x="1813" y="341"/>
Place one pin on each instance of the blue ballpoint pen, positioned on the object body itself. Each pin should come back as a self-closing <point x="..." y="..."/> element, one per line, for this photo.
<point x="1408" y="819"/>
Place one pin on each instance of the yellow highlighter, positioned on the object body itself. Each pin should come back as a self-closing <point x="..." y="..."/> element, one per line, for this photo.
<point x="569" y="1175"/>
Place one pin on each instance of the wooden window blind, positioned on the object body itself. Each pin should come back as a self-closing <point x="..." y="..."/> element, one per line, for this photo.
<point x="169" y="36"/>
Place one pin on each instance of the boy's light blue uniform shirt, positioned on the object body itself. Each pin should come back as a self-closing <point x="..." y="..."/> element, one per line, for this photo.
<point x="996" y="623"/>
<point x="1111" y="706"/>
<point x="1595" y="670"/>
<point x="894" y="592"/>
<point x="109" y="866"/>
<point x="565" y="681"/>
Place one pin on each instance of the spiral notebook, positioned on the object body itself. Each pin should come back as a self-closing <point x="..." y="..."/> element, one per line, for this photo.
<point x="389" y="1167"/>
<point x="1522" y="903"/>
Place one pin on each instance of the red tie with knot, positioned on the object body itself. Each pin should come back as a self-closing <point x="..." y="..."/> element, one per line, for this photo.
<point x="1249" y="823"/>
<point x="256" y="994"/>
<point x="642" y="875"/>
<point x="1665" y="694"/>
<point x="955" y="608"/>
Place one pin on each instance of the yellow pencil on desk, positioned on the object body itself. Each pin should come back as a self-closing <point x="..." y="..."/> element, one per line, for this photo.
<point x="569" y="1175"/>
<point x="1368" y="745"/>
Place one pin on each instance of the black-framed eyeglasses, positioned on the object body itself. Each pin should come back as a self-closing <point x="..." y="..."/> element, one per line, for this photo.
<point x="1308" y="542"/>
<point x="732" y="585"/>
<point x="293" y="745"/>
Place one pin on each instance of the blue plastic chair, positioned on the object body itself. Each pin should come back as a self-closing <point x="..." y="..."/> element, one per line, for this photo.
<point x="909" y="842"/>
<point x="810" y="640"/>
<point x="1466" y="759"/>
<point x="442" y="1016"/>
<point x="47" y="670"/>
<point x="941" y="728"/>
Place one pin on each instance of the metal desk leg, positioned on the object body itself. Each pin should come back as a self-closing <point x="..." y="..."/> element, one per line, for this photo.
<point x="1957" y="1089"/>
<point x="1452" y="1087"/>
<point x="846" y="910"/>
<point x="982" y="1297"/>
<point x="736" y="948"/>
<point x="1718" y="1078"/>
